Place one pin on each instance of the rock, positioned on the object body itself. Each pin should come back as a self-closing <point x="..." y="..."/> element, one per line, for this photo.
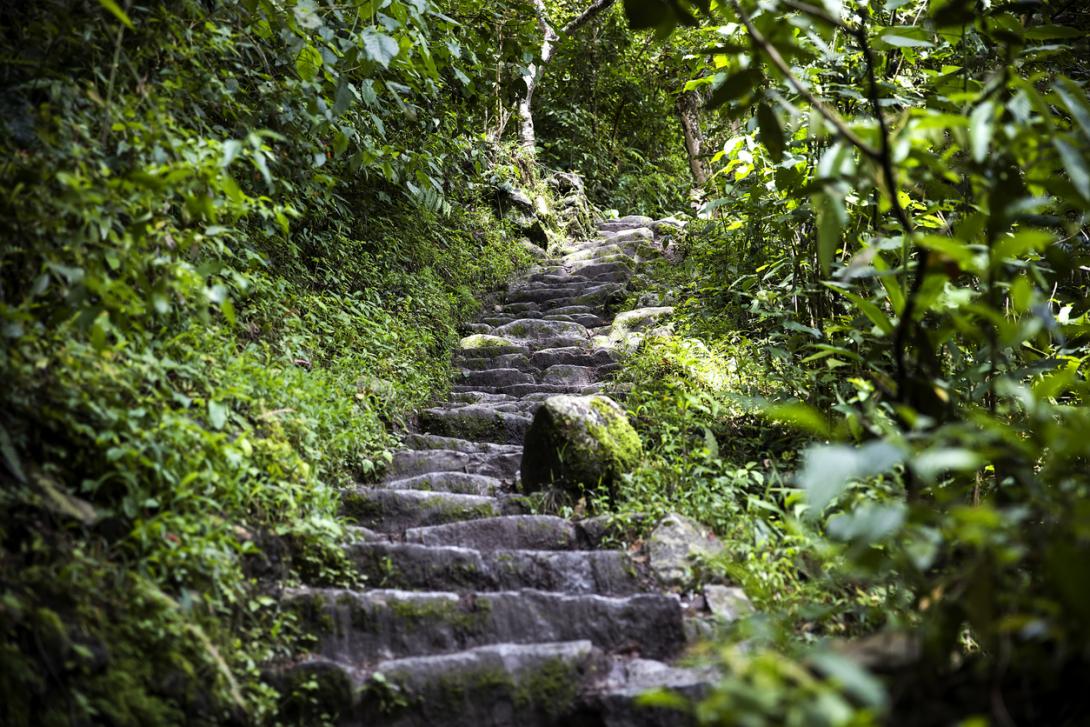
<point x="484" y="340"/>
<point x="578" y="442"/>
<point x="727" y="602"/>
<point x="566" y="182"/>
<point x="630" y="327"/>
<point x="519" y="199"/>
<point x="671" y="546"/>
<point x="535" y="251"/>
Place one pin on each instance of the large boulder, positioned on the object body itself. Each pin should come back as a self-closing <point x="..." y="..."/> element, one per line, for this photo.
<point x="576" y="443"/>
<point x="672" y="546"/>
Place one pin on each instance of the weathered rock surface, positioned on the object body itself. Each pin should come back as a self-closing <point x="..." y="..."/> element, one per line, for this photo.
<point x="476" y="612"/>
<point x="578" y="443"/>
<point x="673" y="544"/>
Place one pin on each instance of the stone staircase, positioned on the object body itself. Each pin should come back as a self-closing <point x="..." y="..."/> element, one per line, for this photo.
<point x="477" y="613"/>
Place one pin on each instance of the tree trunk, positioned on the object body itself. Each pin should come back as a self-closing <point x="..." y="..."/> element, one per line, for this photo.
<point x="549" y="38"/>
<point x="688" y="113"/>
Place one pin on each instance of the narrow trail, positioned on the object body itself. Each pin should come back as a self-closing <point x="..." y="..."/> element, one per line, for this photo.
<point x="477" y="613"/>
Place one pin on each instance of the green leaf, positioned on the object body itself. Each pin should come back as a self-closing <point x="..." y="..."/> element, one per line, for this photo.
<point x="771" y="132"/>
<point x="1052" y="32"/>
<point x="308" y="62"/>
<point x="117" y="12"/>
<point x="11" y="457"/>
<point x="379" y="47"/>
<point x="853" y="678"/>
<point x="1075" y="164"/>
<point x="217" y="414"/>
<point x="831" y="219"/>
<point x="981" y="130"/>
<point x="799" y="415"/>
<point x="903" y="41"/>
<point x="1074" y="97"/>
<point x="828" y="469"/>
<point x="734" y="87"/>
<point x="867" y="524"/>
<point x="873" y="313"/>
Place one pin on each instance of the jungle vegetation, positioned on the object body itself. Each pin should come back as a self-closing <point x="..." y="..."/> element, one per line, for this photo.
<point x="237" y="238"/>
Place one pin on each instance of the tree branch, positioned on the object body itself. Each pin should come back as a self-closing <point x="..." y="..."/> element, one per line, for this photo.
<point x="587" y="15"/>
<point x="827" y="113"/>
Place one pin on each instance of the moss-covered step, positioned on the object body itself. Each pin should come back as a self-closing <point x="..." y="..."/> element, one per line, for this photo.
<point x="397" y="510"/>
<point x="503" y="463"/>
<point x="572" y="356"/>
<point x="587" y="320"/>
<point x="410" y="565"/>
<point x="569" y="375"/>
<point x="457" y="482"/>
<point x="519" y="532"/>
<point x="421" y="441"/>
<point x="363" y="627"/>
<point x="615" y="699"/>
<point x="596" y="252"/>
<point x="528" y="329"/>
<point x="500" y="685"/>
<point x="476" y="422"/>
<point x="539" y="294"/>
<point x="524" y="390"/>
<point x="625" y="223"/>
<point x="493" y="377"/>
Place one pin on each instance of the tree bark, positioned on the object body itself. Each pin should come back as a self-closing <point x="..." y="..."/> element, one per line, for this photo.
<point x="688" y="113"/>
<point x="534" y="71"/>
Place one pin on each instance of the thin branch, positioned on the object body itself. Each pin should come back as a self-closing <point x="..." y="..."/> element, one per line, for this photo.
<point x="827" y="113"/>
<point x="587" y="15"/>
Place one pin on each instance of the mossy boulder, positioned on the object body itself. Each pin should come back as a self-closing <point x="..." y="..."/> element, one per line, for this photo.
<point x="576" y="443"/>
<point x="484" y="340"/>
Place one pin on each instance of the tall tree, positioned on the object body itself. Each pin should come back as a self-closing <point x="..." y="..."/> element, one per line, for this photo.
<point x="532" y="76"/>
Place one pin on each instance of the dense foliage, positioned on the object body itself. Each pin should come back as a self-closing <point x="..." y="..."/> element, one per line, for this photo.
<point x="236" y="245"/>
<point x="238" y="237"/>
<point x="894" y="262"/>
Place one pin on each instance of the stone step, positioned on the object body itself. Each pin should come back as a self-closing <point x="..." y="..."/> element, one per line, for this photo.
<point x="453" y="568"/>
<point x="477" y="422"/>
<point x="587" y="320"/>
<point x="489" y="351"/>
<point x="555" y="277"/>
<point x="478" y="327"/>
<point x="457" y="482"/>
<point x="594" y="268"/>
<point x="538" y="294"/>
<point x="493" y="377"/>
<point x="418" y="441"/>
<point x="535" y="329"/>
<point x="512" y="532"/>
<point x="526" y="390"/>
<point x="573" y="309"/>
<point x="503" y="465"/>
<point x="613" y="699"/>
<point x="597" y="253"/>
<point x="481" y="397"/>
<point x="367" y="626"/>
<point x="625" y="223"/>
<point x="572" y="356"/>
<point x="498" y="685"/>
<point x="568" y="375"/>
<point x="388" y="511"/>
<point x="518" y="406"/>
<point x="480" y="363"/>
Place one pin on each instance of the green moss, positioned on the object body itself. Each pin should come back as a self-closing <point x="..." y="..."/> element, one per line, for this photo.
<point x="552" y="687"/>
<point x="617" y="437"/>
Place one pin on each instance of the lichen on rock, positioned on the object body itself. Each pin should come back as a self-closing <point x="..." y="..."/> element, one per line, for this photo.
<point x="577" y="443"/>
